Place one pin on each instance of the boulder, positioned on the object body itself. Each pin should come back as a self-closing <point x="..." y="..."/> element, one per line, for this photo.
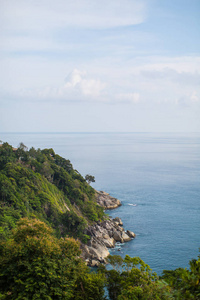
<point x="118" y="221"/>
<point x="118" y="236"/>
<point x="94" y="263"/>
<point x="125" y="237"/>
<point x="109" y="242"/>
<point x="97" y="252"/>
<point x="131" y="234"/>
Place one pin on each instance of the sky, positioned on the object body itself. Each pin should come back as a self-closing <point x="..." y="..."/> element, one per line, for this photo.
<point x="99" y="66"/>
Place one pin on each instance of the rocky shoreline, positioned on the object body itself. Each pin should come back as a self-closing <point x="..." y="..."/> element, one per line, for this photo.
<point x="104" y="235"/>
<point x="106" y="201"/>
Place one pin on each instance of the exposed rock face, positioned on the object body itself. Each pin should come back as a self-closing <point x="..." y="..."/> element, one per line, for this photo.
<point x="103" y="235"/>
<point x="106" y="201"/>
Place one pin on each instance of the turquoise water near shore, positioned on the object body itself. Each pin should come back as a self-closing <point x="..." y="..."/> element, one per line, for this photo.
<point x="155" y="175"/>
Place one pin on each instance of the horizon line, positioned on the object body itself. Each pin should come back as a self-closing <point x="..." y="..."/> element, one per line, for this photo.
<point x="90" y="132"/>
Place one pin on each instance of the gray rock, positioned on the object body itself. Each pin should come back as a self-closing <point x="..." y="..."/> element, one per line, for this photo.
<point x="94" y="263"/>
<point x="131" y="234"/>
<point x="125" y="237"/>
<point x="104" y="235"/>
<point x="118" y="236"/>
<point x="106" y="201"/>
<point x="118" y="221"/>
<point x="109" y="243"/>
<point x="96" y="251"/>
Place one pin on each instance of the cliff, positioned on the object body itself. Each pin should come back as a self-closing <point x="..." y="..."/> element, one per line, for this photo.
<point x="43" y="185"/>
<point x="104" y="235"/>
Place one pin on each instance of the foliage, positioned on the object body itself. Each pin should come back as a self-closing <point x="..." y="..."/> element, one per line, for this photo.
<point x="36" y="265"/>
<point x="89" y="178"/>
<point x="6" y="155"/>
<point x="90" y="287"/>
<point x="132" y="279"/>
<point x="185" y="283"/>
<point x="39" y="183"/>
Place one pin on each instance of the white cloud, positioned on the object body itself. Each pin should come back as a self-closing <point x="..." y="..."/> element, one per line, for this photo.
<point x="48" y="25"/>
<point x="128" y="97"/>
<point x="109" y="81"/>
<point x="194" y="97"/>
<point x="179" y="64"/>
<point x="87" y="86"/>
<point x="81" y="87"/>
<point x="78" y="87"/>
<point x="188" y="99"/>
<point x="74" y="78"/>
<point x="166" y="79"/>
<point x="186" y="78"/>
<point x="49" y="14"/>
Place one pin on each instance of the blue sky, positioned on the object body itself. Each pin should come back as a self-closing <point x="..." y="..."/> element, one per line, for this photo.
<point x="87" y="65"/>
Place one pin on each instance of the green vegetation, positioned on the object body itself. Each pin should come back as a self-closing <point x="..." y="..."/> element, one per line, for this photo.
<point x="185" y="283"/>
<point x="44" y="205"/>
<point x="36" y="265"/>
<point x="131" y="278"/>
<point x="39" y="183"/>
<point x="89" y="178"/>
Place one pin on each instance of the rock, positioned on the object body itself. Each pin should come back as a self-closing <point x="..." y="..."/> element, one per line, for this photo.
<point x="125" y="237"/>
<point x="94" y="263"/>
<point x="130" y="234"/>
<point x="119" y="228"/>
<point x="105" y="234"/>
<point x="96" y="251"/>
<point x="106" y="201"/>
<point x="107" y="225"/>
<point x="118" y="236"/>
<point x="118" y="221"/>
<point x="110" y="243"/>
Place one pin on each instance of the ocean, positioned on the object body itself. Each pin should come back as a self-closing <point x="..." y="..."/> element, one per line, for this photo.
<point x="155" y="175"/>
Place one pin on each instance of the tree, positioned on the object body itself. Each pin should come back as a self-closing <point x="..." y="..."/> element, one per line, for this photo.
<point x="47" y="171"/>
<point x="6" y="155"/>
<point x="185" y="283"/>
<point x="133" y="279"/>
<point x="23" y="147"/>
<point x="22" y="152"/>
<point x="90" y="287"/>
<point x="89" y="178"/>
<point x="36" y="265"/>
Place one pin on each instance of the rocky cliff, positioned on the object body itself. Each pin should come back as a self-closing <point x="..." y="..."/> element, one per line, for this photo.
<point x="104" y="235"/>
<point x="106" y="201"/>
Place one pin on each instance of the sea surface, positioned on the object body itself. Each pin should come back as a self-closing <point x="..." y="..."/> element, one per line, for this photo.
<point x="155" y="175"/>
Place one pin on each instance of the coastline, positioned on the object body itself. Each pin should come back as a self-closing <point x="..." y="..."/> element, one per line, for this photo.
<point x="104" y="235"/>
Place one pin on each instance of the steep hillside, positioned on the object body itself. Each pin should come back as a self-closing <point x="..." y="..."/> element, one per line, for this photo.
<point x="39" y="183"/>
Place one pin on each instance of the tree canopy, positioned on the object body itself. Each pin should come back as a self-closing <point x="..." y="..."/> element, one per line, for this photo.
<point x="89" y="178"/>
<point x="34" y="264"/>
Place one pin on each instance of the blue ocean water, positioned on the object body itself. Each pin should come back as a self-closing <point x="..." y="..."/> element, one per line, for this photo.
<point x="155" y="175"/>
